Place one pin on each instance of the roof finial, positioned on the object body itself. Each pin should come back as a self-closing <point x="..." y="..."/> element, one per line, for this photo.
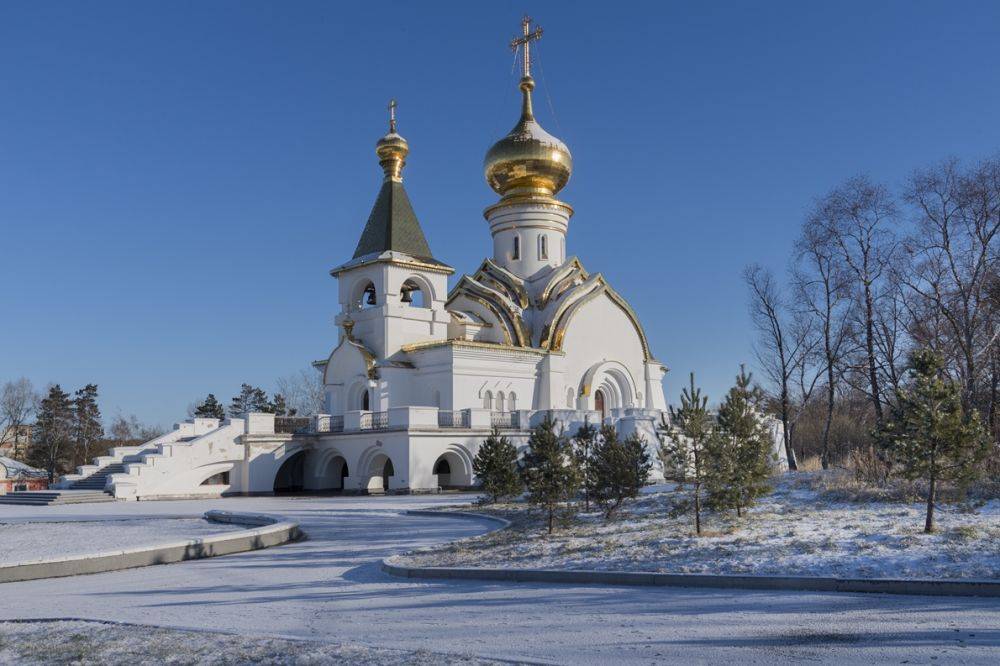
<point x="527" y="83"/>
<point x="392" y="116"/>
<point x="525" y="40"/>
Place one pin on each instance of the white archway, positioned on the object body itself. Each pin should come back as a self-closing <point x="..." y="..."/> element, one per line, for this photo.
<point x="453" y="468"/>
<point x="375" y="469"/>
<point x="613" y="380"/>
<point x="329" y="469"/>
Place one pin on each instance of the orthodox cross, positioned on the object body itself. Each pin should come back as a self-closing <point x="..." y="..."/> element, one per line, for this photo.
<point x="392" y="116"/>
<point x="525" y="41"/>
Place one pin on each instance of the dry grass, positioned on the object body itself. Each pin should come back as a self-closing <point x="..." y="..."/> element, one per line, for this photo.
<point x="810" y="464"/>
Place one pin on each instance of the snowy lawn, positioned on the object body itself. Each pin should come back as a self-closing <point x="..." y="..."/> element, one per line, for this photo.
<point x="25" y="541"/>
<point x="76" y="642"/>
<point x="803" y="528"/>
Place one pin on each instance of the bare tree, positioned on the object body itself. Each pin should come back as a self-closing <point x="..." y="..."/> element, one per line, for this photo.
<point x="18" y="403"/>
<point x="859" y="218"/>
<point x="126" y="431"/>
<point x="822" y="284"/>
<point x="893" y="323"/>
<point x="303" y="391"/>
<point x="783" y="346"/>
<point x="953" y="250"/>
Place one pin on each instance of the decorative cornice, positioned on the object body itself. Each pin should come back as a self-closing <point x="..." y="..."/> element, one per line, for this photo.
<point x="473" y="344"/>
<point x="397" y="259"/>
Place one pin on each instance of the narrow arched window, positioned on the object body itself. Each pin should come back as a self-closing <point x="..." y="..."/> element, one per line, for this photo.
<point x="571" y="398"/>
<point x="517" y="248"/>
<point x="512" y="402"/>
<point x="500" y="402"/>
<point x="488" y="400"/>
<point x="366" y="401"/>
<point x="543" y="247"/>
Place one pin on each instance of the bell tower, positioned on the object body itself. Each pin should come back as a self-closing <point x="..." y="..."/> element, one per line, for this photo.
<point x="393" y="291"/>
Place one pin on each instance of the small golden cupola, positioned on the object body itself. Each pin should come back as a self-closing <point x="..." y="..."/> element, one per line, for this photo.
<point x="392" y="149"/>
<point x="528" y="162"/>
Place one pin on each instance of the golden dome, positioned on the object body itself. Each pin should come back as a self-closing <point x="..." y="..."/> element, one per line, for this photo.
<point x="528" y="161"/>
<point x="392" y="149"/>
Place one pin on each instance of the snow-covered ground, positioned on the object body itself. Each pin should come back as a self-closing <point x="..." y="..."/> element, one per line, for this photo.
<point x="330" y="588"/>
<point x="27" y="541"/>
<point x="76" y="642"/>
<point x="794" y="531"/>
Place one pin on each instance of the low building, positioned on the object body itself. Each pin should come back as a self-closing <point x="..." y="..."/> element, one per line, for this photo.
<point x="16" y="476"/>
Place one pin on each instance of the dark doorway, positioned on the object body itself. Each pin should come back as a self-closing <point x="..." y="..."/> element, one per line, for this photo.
<point x="365" y="401"/>
<point x="290" y="475"/>
<point x="387" y="471"/>
<point x="443" y="470"/>
<point x="599" y="403"/>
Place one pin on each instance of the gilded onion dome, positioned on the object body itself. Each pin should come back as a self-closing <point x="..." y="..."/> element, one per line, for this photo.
<point x="392" y="149"/>
<point x="528" y="161"/>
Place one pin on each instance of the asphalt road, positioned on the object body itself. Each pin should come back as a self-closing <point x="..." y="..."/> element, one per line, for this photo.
<point x="330" y="587"/>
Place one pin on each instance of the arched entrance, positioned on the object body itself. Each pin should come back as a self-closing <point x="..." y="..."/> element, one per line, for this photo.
<point x="289" y="478"/>
<point x="443" y="471"/>
<point x="387" y="471"/>
<point x="600" y="403"/>
<point x="335" y="473"/>
<point x="453" y="468"/>
<point x="380" y="472"/>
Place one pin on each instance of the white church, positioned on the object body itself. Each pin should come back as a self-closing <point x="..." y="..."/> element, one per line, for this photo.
<point x="423" y="372"/>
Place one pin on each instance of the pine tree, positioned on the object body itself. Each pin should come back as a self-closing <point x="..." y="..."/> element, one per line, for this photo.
<point x="930" y="436"/>
<point x="87" y="427"/>
<point x="211" y="408"/>
<point x="280" y="407"/>
<point x="583" y="448"/>
<point x="550" y="471"/>
<point x="250" y="399"/>
<point x="495" y="465"/>
<point x="684" y="450"/>
<point x="50" y="445"/>
<point x="619" y="468"/>
<point x="739" y="453"/>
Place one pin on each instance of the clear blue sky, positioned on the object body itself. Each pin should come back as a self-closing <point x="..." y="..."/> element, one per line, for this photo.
<point x="176" y="178"/>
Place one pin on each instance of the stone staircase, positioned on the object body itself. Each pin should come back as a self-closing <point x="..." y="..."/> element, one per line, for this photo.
<point x="100" y="474"/>
<point x="98" y="479"/>
<point x="50" y="497"/>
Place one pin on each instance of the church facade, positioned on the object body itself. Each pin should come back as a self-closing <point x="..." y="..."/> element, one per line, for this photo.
<point x="422" y="372"/>
<point x="530" y="335"/>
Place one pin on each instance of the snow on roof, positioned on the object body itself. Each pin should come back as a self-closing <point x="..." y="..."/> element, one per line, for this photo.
<point x="14" y="468"/>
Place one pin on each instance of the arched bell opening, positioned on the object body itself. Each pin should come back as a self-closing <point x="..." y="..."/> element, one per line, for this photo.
<point x="363" y="295"/>
<point x="414" y="294"/>
<point x="291" y="474"/>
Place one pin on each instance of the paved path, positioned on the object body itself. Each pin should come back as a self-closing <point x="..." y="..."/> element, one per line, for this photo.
<point x="330" y="587"/>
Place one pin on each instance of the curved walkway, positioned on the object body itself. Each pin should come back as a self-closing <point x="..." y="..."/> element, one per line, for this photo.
<point x="331" y="587"/>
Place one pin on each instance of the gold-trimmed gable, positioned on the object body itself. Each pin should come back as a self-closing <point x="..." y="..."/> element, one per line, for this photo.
<point x="562" y="279"/>
<point x="555" y="331"/>
<point x="498" y="304"/>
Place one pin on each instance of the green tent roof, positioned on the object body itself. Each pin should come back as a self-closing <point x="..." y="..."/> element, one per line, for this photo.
<point x="393" y="225"/>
